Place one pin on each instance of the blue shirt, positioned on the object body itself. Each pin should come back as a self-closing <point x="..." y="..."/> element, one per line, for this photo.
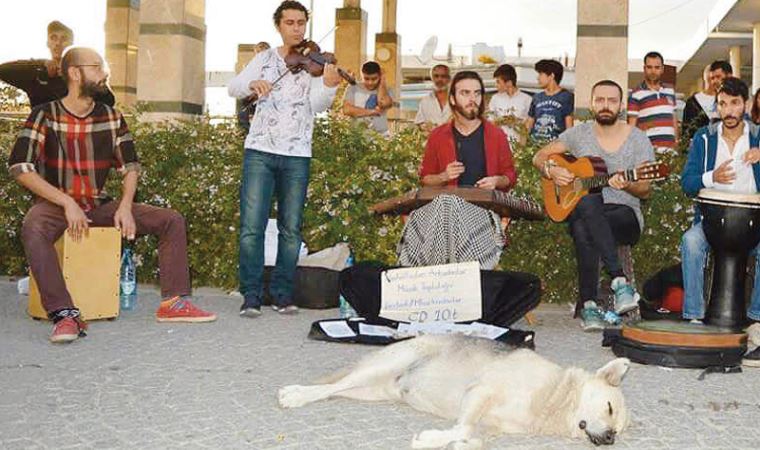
<point x="549" y="112"/>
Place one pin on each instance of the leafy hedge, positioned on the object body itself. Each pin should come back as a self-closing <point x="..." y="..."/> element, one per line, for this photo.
<point x="195" y="167"/>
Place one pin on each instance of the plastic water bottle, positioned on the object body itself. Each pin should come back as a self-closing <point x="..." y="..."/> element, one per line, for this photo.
<point x="346" y="310"/>
<point x="127" y="282"/>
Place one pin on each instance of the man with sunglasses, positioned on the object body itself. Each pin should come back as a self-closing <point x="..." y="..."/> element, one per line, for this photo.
<point x="41" y="78"/>
<point x="434" y="108"/>
<point x="64" y="155"/>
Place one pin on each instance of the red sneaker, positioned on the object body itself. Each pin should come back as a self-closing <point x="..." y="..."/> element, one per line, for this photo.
<point x="178" y="309"/>
<point x="67" y="329"/>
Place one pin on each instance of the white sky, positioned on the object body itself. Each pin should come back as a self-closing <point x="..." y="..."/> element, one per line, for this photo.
<point x="546" y="26"/>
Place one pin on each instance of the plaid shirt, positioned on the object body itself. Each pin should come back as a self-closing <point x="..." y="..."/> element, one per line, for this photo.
<point x="74" y="154"/>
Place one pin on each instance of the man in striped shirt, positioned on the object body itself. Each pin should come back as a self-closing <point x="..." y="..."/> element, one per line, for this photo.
<point x="64" y="155"/>
<point x="652" y="104"/>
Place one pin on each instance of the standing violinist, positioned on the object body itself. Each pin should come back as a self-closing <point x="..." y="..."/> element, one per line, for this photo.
<point x="277" y="158"/>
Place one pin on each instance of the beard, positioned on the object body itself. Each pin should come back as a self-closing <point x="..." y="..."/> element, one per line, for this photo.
<point x="605" y="117"/>
<point x="731" y="122"/>
<point x="89" y="88"/>
<point x="469" y="112"/>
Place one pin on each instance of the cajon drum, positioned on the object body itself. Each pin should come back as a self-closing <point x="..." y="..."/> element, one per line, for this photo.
<point x="91" y="271"/>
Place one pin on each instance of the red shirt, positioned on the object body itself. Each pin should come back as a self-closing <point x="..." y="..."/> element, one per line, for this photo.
<point x="440" y="151"/>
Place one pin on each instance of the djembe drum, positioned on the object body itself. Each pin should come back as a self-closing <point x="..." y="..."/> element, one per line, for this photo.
<point x="731" y="223"/>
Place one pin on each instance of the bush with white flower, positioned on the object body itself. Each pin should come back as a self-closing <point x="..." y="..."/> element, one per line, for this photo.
<point x="195" y="168"/>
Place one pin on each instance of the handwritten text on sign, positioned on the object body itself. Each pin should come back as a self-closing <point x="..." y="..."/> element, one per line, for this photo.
<point x="445" y="293"/>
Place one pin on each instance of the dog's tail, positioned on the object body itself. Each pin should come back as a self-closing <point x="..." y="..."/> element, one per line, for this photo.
<point x="333" y="377"/>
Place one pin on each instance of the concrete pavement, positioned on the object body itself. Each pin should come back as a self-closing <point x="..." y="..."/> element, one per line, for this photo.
<point x="135" y="383"/>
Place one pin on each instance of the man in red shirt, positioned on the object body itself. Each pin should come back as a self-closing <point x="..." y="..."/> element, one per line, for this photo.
<point x="468" y="151"/>
<point x="64" y="155"/>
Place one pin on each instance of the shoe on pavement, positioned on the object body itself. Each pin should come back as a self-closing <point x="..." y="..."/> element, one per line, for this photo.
<point x="626" y="298"/>
<point x="286" y="309"/>
<point x="592" y="317"/>
<point x="180" y="309"/>
<point x="67" y="329"/>
<point x="250" y="308"/>
<point x="752" y="359"/>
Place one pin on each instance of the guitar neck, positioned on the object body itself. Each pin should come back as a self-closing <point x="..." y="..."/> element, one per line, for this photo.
<point x="599" y="181"/>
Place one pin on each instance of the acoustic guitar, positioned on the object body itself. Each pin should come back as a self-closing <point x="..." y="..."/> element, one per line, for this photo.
<point x="590" y="176"/>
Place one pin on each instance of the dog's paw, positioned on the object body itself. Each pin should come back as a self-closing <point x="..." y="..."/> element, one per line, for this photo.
<point x="293" y="396"/>
<point x="466" y="444"/>
<point x="432" y="439"/>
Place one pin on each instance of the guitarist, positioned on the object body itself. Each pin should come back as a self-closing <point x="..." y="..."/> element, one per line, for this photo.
<point x="603" y="221"/>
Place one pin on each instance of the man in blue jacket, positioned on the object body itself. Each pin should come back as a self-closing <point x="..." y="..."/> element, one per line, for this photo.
<point x="723" y="156"/>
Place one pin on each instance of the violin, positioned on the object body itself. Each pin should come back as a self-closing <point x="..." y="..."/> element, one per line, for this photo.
<point x="306" y="56"/>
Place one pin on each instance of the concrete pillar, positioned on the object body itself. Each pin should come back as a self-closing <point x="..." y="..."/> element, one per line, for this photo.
<point x="171" y="62"/>
<point x="122" y="31"/>
<point x="388" y="52"/>
<point x="756" y="57"/>
<point x="245" y="54"/>
<point x="602" y="48"/>
<point x="351" y="36"/>
<point x="735" y="59"/>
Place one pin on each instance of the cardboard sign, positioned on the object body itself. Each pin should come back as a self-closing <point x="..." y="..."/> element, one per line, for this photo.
<point x="445" y="293"/>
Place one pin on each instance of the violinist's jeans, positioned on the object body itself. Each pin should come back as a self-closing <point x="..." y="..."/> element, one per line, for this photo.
<point x="286" y="178"/>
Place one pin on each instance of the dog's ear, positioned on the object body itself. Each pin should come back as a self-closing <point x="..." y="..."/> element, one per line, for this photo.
<point x="614" y="371"/>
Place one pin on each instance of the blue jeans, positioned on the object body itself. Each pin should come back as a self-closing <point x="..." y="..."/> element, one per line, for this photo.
<point x="694" y="248"/>
<point x="287" y="178"/>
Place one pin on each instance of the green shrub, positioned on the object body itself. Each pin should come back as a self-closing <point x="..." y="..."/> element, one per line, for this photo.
<point x="195" y="167"/>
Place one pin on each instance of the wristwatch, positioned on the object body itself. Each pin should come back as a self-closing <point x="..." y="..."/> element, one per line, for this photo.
<point x="548" y="164"/>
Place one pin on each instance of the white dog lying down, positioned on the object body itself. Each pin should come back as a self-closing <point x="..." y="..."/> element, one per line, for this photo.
<point x="482" y="383"/>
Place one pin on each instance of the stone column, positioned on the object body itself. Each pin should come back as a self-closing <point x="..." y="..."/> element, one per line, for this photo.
<point x="602" y="48"/>
<point x="388" y="52"/>
<point x="756" y="57"/>
<point x="122" y="31"/>
<point x="351" y="36"/>
<point x="171" y="62"/>
<point x="245" y="54"/>
<point x="735" y="58"/>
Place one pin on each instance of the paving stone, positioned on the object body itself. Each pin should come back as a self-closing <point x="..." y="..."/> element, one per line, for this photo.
<point x="135" y="383"/>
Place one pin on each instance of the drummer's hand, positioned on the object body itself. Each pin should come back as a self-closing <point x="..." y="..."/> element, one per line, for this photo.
<point x="260" y="87"/>
<point x="561" y="176"/>
<point x="724" y="174"/>
<point x="453" y="170"/>
<point x="331" y="77"/>
<point x="752" y="156"/>
<point x="487" y="183"/>
<point x="617" y="181"/>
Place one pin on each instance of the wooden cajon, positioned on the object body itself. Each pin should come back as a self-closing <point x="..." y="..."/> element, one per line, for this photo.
<point x="91" y="271"/>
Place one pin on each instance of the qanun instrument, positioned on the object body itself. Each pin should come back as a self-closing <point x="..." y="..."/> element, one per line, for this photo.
<point x="502" y="203"/>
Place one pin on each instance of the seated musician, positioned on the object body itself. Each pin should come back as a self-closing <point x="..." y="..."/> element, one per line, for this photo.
<point x="467" y="151"/>
<point x="722" y="156"/>
<point x="64" y="155"/>
<point x="603" y="221"/>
